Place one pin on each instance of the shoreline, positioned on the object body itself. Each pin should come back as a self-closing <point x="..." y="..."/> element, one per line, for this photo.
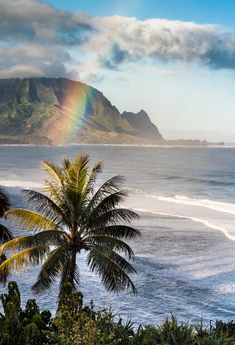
<point x="122" y="145"/>
<point x="208" y="225"/>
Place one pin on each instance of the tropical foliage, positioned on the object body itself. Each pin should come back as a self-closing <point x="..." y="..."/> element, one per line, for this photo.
<point x="5" y="233"/>
<point x="70" y="217"/>
<point x="77" y="324"/>
<point x="22" y="327"/>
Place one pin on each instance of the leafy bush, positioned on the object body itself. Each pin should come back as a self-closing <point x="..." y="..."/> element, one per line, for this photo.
<point x="75" y="324"/>
<point x="78" y="325"/>
<point x="173" y="333"/>
<point x="22" y="327"/>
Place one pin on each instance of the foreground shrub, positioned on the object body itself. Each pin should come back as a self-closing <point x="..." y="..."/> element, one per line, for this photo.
<point x="22" y="327"/>
<point x="173" y="333"/>
<point x="76" y="324"/>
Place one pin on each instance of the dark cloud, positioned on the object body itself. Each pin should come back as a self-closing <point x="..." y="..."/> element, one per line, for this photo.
<point x="31" y="20"/>
<point x="221" y="54"/>
<point x="36" y="39"/>
<point x="115" y="57"/>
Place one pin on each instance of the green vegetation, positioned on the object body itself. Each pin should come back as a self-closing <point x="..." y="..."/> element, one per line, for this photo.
<point x="5" y="233"/>
<point x="49" y="110"/>
<point x="22" y="327"/>
<point x="76" y="324"/>
<point x="74" y="218"/>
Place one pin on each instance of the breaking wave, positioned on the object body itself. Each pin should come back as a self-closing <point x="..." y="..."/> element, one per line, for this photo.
<point x="213" y="214"/>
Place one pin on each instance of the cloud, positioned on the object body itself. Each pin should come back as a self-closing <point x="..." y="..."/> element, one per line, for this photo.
<point x="93" y="78"/>
<point x="21" y="71"/>
<point x="129" y="39"/>
<point x="38" y="39"/>
<point x="115" y="57"/>
<point x="30" y="20"/>
<point x="53" y="70"/>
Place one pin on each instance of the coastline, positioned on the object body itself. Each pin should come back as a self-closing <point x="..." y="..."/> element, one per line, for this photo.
<point x="209" y="145"/>
<point x="183" y="265"/>
<point x="189" y="275"/>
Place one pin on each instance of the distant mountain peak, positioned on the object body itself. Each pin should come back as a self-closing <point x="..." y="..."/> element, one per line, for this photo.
<point x="59" y="110"/>
<point x="142" y="124"/>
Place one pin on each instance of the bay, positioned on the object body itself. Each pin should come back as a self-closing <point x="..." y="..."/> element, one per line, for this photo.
<point x="185" y="259"/>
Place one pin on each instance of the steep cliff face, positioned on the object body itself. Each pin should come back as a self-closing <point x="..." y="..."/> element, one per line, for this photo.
<point x="38" y="110"/>
<point x="142" y="124"/>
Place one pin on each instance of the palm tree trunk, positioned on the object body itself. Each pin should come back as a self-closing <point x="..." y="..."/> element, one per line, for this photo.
<point x="72" y="268"/>
<point x="68" y="283"/>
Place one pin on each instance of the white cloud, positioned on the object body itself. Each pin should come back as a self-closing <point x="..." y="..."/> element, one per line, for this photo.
<point x="128" y="39"/>
<point x="39" y="37"/>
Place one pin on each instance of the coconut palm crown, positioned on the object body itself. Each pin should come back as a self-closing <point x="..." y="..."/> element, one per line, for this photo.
<point x="5" y="233"/>
<point x="71" y="216"/>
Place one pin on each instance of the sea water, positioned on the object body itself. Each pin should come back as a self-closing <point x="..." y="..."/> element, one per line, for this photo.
<point x="185" y="258"/>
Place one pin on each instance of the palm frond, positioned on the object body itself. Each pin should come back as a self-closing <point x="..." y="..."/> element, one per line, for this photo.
<point x="76" y="174"/>
<point x="52" y="268"/>
<point x="47" y="238"/>
<point x="54" y="192"/>
<point x="112" y="217"/>
<point x="112" y="268"/>
<point x="111" y="185"/>
<point x="44" y="204"/>
<point x="29" y="256"/>
<point x="66" y="163"/>
<point x="58" y="196"/>
<point x="77" y="188"/>
<point x="73" y="201"/>
<point x="109" y="203"/>
<point x="3" y="273"/>
<point x="90" y="184"/>
<point x="117" y="231"/>
<point x="31" y="220"/>
<point x="54" y="172"/>
<point x="108" y="187"/>
<point x="112" y="243"/>
<point x="4" y="202"/>
<point x="75" y="191"/>
<point x="5" y="234"/>
<point x="81" y="162"/>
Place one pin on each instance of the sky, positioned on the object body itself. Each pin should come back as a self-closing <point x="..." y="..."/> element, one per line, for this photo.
<point x="200" y="11"/>
<point x="174" y="59"/>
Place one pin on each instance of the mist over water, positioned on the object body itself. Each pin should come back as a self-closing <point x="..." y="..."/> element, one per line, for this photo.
<point x="186" y="198"/>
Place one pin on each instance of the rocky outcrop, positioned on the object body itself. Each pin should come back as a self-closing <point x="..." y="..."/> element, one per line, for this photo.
<point x="142" y="124"/>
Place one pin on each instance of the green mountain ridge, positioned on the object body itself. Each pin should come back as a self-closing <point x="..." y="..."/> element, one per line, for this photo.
<point x="59" y="110"/>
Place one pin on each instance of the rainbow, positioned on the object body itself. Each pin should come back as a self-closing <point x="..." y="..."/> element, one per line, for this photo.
<point x="75" y="110"/>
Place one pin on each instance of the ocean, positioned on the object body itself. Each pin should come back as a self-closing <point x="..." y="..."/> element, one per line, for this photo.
<point x="185" y="258"/>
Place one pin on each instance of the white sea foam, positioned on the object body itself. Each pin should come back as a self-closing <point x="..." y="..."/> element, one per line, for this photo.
<point x="207" y="223"/>
<point x="211" y="204"/>
<point x="213" y="214"/>
<point x="226" y="288"/>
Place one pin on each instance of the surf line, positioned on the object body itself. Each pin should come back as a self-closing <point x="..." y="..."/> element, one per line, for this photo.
<point x="194" y="219"/>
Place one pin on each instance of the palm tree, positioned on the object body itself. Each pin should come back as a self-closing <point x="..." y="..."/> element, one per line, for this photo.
<point x="5" y="233"/>
<point x="71" y="217"/>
